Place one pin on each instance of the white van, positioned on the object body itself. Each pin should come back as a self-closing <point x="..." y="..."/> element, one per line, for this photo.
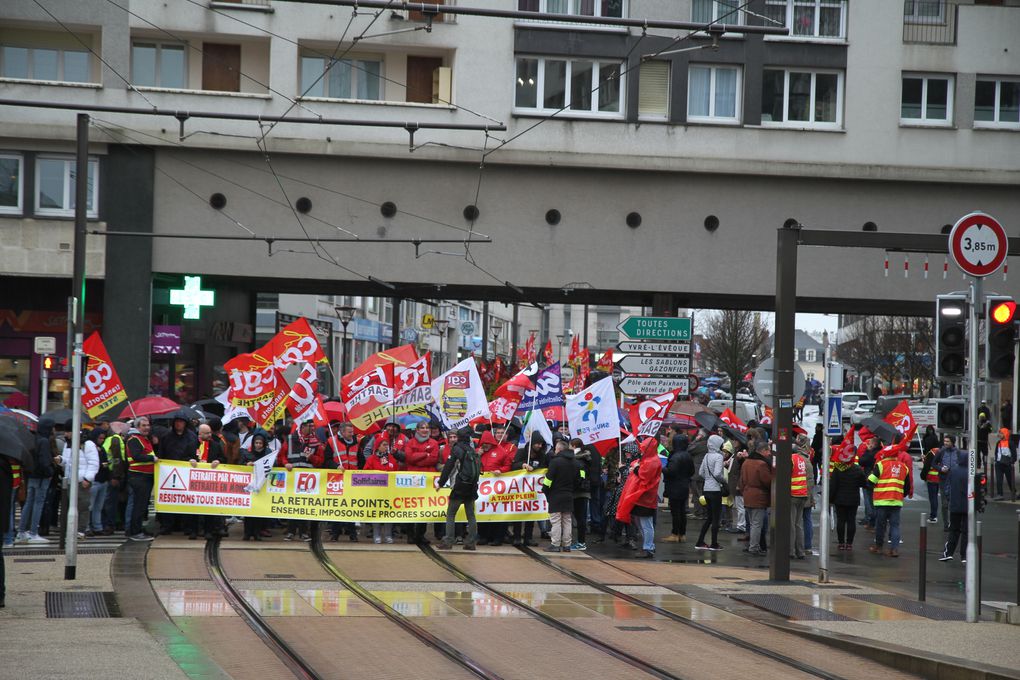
<point x="745" y="409"/>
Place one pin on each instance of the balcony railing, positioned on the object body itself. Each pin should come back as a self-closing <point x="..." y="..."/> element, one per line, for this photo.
<point x="931" y="22"/>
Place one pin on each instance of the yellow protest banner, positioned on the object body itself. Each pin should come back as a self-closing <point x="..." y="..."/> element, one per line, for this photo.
<point x="334" y="496"/>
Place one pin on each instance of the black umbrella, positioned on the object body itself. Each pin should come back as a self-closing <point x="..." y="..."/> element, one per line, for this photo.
<point x="708" y="420"/>
<point x="15" y="440"/>
<point x="734" y="433"/>
<point x="881" y="429"/>
<point x="209" y="406"/>
<point x="62" y="416"/>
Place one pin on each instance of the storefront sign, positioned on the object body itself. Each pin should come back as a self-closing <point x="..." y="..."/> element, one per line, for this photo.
<point x="166" y="339"/>
<point x="349" y="496"/>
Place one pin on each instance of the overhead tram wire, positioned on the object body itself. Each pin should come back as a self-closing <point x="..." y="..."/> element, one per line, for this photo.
<point x="320" y="53"/>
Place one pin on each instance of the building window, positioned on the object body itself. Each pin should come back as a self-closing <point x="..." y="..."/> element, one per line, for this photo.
<point x="796" y="355"/>
<point x="350" y="78"/>
<point x="159" y="65"/>
<point x="42" y="63"/>
<point x="809" y="18"/>
<point x="10" y="183"/>
<point x="548" y="85"/>
<point x="924" y="11"/>
<point x="802" y="98"/>
<point x="997" y="103"/>
<point x="927" y="100"/>
<point x="810" y="355"/>
<point x="590" y="8"/>
<point x="54" y="186"/>
<point x="723" y="11"/>
<point x="713" y="94"/>
<point x="653" y="90"/>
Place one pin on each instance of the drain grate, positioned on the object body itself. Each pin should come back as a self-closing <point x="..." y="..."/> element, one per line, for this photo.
<point x="790" y="608"/>
<point x="24" y="560"/>
<point x="35" y="552"/>
<point x="928" y="611"/>
<point x="634" y="628"/>
<point x="280" y="576"/>
<point x="87" y="605"/>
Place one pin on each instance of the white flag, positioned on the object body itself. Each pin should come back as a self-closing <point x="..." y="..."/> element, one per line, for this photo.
<point x="459" y="395"/>
<point x="535" y="423"/>
<point x="260" y="472"/>
<point x="230" y="412"/>
<point x="592" y="413"/>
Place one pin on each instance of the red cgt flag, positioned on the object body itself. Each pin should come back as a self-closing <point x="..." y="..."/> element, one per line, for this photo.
<point x="731" y="419"/>
<point x="547" y="353"/>
<point x="605" y="364"/>
<point x="101" y="387"/>
<point x="295" y="343"/>
<point x="902" y="418"/>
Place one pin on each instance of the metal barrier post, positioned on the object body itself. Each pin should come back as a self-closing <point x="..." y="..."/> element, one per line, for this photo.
<point x="980" y="559"/>
<point x="922" y="558"/>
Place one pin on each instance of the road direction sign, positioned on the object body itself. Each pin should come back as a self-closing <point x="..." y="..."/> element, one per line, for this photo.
<point x="834" y="416"/>
<point x="656" y="365"/>
<point x="978" y="244"/>
<point x="656" y="328"/>
<point x="764" y="378"/>
<point x="653" y="385"/>
<point x="45" y="344"/>
<point x="639" y="347"/>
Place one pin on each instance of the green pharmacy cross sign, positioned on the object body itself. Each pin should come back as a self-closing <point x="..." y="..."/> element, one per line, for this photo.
<point x="656" y="328"/>
<point x="192" y="297"/>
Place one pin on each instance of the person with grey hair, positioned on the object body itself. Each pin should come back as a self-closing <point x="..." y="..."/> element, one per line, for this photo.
<point x="712" y="472"/>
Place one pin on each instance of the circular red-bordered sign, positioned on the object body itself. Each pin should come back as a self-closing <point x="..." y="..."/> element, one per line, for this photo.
<point x="978" y="244"/>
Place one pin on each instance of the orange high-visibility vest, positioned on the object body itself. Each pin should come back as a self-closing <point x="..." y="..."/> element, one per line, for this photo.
<point x="933" y="473"/>
<point x="798" y="480"/>
<point x="146" y="468"/>
<point x="16" y="475"/>
<point x="890" y="482"/>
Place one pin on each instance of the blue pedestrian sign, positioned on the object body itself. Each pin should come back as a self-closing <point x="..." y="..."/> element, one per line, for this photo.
<point x="834" y="417"/>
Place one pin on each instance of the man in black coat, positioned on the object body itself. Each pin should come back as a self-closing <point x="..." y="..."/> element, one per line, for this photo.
<point x="559" y="484"/>
<point x="677" y="475"/>
<point x="463" y="464"/>
<point x="177" y="444"/>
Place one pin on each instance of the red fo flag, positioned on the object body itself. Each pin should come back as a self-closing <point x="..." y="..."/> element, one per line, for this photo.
<point x="646" y="416"/>
<point x="367" y="393"/>
<point x="101" y="386"/>
<point x="731" y="419"/>
<point x="605" y="364"/>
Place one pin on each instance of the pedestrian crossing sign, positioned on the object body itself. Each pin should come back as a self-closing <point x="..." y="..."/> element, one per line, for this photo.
<point x="834" y="417"/>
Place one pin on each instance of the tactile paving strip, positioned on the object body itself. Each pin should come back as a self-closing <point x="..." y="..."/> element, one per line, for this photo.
<point x="87" y="605"/>
<point x="790" y="608"/>
<point x="928" y="611"/>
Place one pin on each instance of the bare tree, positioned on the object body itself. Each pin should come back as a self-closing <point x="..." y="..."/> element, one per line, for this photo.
<point x="891" y="348"/>
<point x="733" y="339"/>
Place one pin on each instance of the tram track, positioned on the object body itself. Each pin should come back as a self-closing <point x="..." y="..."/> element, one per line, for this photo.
<point x="569" y="630"/>
<point x="720" y="635"/>
<point x="396" y="617"/>
<point x="288" y="656"/>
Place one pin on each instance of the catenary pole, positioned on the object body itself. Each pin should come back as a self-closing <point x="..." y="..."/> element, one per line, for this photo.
<point x="823" y="543"/>
<point x="976" y="305"/>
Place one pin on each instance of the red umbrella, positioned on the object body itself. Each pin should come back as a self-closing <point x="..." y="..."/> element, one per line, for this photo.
<point x="335" y="411"/>
<point x="149" y="406"/>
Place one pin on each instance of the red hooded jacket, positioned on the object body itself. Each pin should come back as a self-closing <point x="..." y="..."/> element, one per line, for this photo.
<point x="642" y="488"/>
<point x="498" y="457"/>
<point x="421" y="456"/>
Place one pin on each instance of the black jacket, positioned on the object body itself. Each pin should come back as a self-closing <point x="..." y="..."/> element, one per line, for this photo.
<point x="6" y="480"/>
<point x="560" y="481"/>
<point x="589" y="471"/>
<point x="43" y="468"/>
<point x="461" y="450"/>
<point x="173" y="446"/>
<point x="845" y="486"/>
<point x="538" y="459"/>
<point x="678" y="473"/>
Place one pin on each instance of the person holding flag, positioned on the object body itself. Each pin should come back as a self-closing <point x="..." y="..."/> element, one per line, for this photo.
<point x="302" y="450"/>
<point x="208" y="450"/>
<point x="529" y="458"/>
<point x="640" y="496"/>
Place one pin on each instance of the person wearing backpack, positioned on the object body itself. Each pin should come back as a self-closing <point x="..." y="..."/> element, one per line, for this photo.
<point x="463" y="468"/>
<point x="589" y="466"/>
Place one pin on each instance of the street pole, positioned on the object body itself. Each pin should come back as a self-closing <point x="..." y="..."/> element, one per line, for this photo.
<point x="1016" y="380"/>
<point x="343" y="353"/>
<point x="78" y="321"/>
<point x="45" y="389"/>
<point x="976" y="304"/>
<point x="485" y="331"/>
<point x="823" y="545"/>
<point x="786" y="306"/>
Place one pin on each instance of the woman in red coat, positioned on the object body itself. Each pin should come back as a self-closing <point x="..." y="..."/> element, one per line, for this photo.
<point x="382" y="461"/>
<point x="640" y="496"/>
<point x="421" y="454"/>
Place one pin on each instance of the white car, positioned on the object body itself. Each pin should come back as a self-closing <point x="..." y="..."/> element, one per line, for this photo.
<point x="850" y="400"/>
<point x="864" y="409"/>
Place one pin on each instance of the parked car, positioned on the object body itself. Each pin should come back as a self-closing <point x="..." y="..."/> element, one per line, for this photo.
<point x="850" y="400"/>
<point x="745" y="409"/>
<point x="864" y="409"/>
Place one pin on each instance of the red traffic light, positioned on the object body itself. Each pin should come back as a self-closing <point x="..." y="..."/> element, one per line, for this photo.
<point x="1003" y="311"/>
<point x="49" y="362"/>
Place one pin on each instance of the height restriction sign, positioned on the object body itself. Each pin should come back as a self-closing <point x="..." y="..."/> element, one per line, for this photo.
<point x="978" y="244"/>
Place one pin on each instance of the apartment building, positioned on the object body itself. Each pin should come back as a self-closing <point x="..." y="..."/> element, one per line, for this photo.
<point x="659" y="182"/>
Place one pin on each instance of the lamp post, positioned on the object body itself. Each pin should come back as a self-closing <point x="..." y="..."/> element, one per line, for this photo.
<point x="441" y="326"/>
<point x="495" y="328"/>
<point x="559" y="349"/>
<point x="346" y="314"/>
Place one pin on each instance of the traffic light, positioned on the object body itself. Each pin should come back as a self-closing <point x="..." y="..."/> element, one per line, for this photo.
<point x="950" y="415"/>
<point x="950" y="337"/>
<point x="1000" y="334"/>
<point x="49" y="362"/>
<point x="980" y="491"/>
